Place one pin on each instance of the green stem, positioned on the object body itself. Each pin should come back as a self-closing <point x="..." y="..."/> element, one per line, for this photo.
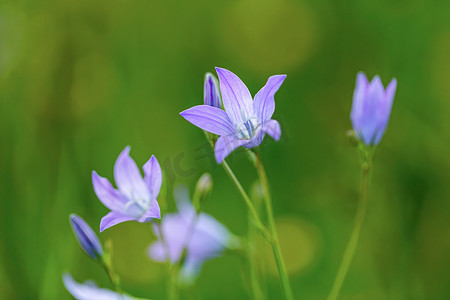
<point x="113" y="278"/>
<point x="106" y="263"/>
<point x="257" y="222"/>
<point x="351" y="246"/>
<point x="173" y="285"/>
<point x="275" y="244"/>
<point x="254" y="280"/>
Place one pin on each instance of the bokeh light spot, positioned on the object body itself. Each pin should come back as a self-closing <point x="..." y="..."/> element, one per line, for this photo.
<point x="300" y="244"/>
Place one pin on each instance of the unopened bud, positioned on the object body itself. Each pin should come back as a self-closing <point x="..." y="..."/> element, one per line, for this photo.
<point x="86" y="237"/>
<point x="202" y="189"/>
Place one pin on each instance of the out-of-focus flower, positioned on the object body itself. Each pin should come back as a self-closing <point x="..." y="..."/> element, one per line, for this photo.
<point x="135" y="198"/>
<point x="245" y="121"/>
<point x="191" y="236"/>
<point x="86" y="237"/>
<point x="90" y="291"/>
<point x="211" y="94"/>
<point x="371" y="108"/>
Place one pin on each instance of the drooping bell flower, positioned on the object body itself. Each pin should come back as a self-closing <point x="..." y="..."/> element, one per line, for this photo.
<point x="371" y="108"/>
<point x="186" y="234"/>
<point x="135" y="197"/>
<point x="245" y="120"/>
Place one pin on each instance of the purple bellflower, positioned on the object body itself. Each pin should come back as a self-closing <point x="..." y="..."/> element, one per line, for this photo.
<point x="135" y="198"/>
<point x="86" y="237"/>
<point x="371" y="108"/>
<point x="196" y="238"/>
<point x="90" y="291"/>
<point x="245" y="121"/>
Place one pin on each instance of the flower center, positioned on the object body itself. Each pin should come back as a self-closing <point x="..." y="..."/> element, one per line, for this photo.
<point x="137" y="205"/>
<point x="249" y="128"/>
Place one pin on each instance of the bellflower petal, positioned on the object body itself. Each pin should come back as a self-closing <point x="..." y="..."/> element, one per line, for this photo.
<point x="236" y="97"/>
<point x="86" y="237"/>
<point x="384" y="111"/>
<point x="153" y="213"/>
<point x="153" y="176"/>
<point x="264" y="102"/>
<point x="190" y="271"/>
<point x="90" y="291"/>
<point x="371" y="108"/>
<point x="109" y="196"/>
<point x="208" y="118"/>
<point x="128" y="178"/>
<point x="225" y="145"/>
<point x="113" y="218"/>
<point x="211" y="94"/>
<point x="359" y="95"/>
<point x="272" y="128"/>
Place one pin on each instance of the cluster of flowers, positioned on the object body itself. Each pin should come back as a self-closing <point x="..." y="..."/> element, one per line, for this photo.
<point x="189" y="237"/>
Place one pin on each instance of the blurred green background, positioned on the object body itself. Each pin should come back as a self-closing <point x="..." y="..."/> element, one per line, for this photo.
<point x="80" y="80"/>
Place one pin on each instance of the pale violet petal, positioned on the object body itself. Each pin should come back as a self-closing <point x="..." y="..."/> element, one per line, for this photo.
<point x="359" y="96"/>
<point x="129" y="179"/>
<point x="236" y="97"/>
<point x="255" y="140"/>
<point x="384" y="110"/>
<point x="89" y="291"/>
<point x="225" y="145"/>
<point x="113" y="218"/>
<point x="190" y="270"/>
<point x="153" y="213"/>
<point x="109" y="196"/>
<point x="153" y="176"/>
<point x="273" y="128"/>
<point x="264" y="103"/>
<point x="157" y="251"/>
<point x="208" y="118"/>
<point x="370" y="121"/>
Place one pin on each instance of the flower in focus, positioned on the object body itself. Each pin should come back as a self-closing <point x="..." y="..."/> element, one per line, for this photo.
<point x="90" y="291"/>
<point x="371" y="108"/>
<point x="192" y="237"/>
<point x="211" y="94"/>
<point x="245" y="121"/>
<point x="86" y="237"/>
<point x="135" y="197"/>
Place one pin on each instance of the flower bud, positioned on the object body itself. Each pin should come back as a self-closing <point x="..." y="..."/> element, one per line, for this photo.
<point x="371" y="108"/>
<point x="86" y="237"/>
<point x="211" y="94"/>
<point x="202" y="190"/>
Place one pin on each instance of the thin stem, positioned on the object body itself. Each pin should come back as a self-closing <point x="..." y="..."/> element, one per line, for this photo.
<point x="252" y="211"/>
<point x="275" y="244"/>
<point x="352" y="243"/>
<point x="171" y="269"/>
<point x="254" y="280"/>
<point x="106" y="263"/>
<point x="113" y="278"/>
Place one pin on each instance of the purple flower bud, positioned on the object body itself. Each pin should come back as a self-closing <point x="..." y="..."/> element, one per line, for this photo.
<point x="211" y="94"/>
<point x="86" y="237"/>
<point x="371" y="108"/>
